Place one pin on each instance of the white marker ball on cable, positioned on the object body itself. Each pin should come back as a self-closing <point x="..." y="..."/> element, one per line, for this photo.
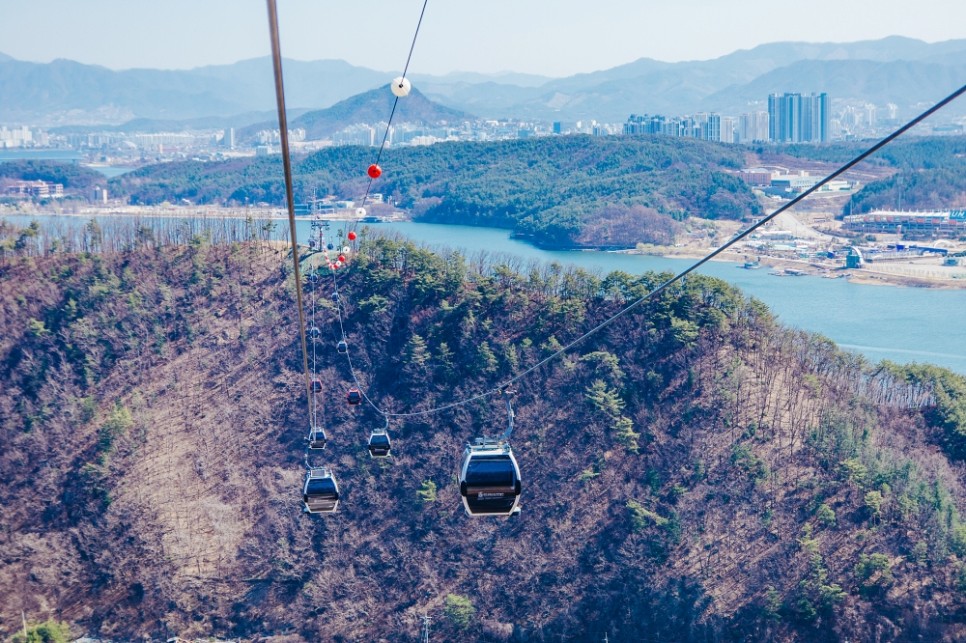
<point x="346" y="250"/>
<point x="360" y="212"/>
<point x="400" y="86"/>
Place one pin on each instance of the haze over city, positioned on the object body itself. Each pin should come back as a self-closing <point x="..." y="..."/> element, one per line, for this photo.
<point x="556" y="40"/>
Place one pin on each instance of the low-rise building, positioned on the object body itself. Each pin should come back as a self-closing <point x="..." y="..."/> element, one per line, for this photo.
<point x="933" y="223"/>
<point x="36" y="190"/>
<point x="760" y="176"/>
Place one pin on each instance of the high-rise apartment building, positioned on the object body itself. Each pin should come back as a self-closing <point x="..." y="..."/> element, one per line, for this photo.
<point x="729" y="125"/>
<point x="712" y="127"/>
<point x="794" y="118"/>
<point x="753" y="127"/>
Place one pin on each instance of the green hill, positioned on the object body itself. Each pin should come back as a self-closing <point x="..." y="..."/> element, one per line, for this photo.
<point x="925" y="173"/>
<point x="569" y="191"/>
<point x="694" y="471"/>
<point x="76" y="179"/>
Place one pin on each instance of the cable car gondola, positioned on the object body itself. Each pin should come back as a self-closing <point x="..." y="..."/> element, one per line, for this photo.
<point x="379" y="443"/>
<point x="317" y="439"/>
<point x="489" y="478"/>
<point x="353" y="397"/>
<point x="489" y="474"/>
<point x="320" y="494"/>
<point x="316" y="384"/>
<point x="342" y="346"/>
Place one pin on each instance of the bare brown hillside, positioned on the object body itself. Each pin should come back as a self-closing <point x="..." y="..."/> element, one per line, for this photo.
<point x="692" y="472"/>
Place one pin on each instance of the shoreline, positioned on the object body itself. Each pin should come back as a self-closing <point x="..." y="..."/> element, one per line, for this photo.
<point x="896" y="274"/>
<point x="178" y="212"/>
<point x="928" y="273"/>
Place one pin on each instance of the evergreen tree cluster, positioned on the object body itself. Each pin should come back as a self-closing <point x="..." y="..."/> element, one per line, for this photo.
<point x="557" y="191"/>
<point x="692" y="471"/>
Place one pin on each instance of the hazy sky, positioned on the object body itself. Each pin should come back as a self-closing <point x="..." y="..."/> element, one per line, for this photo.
<point x="556" y="38"/>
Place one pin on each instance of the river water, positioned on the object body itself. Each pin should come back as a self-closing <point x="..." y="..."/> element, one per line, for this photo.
<point x="900" y="324"/>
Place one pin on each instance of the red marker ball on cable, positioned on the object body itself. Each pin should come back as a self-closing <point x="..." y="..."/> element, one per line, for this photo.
<point x="374" y="171"/>
<point x="342" y="258"/>
<point x="352" y="236"/>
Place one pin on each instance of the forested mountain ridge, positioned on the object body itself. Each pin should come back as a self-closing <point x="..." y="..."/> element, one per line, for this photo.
<point x="571" y="192"/>
<point x="692" y="472"/>
<point x="568" y="191"/>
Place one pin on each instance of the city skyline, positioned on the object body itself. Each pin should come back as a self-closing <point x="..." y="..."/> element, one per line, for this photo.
<point x="571" y="38"/>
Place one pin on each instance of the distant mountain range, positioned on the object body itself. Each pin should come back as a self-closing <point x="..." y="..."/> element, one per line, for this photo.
<point x="896" y="70"/>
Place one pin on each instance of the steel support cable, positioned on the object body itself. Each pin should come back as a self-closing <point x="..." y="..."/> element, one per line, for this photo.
<point x="413" y="45"/>
<point x="362" y="389"/>
<point x="678" y="277"/>
<point x="392" y="112"/>
<point x="287" y="166"/>
<point x="315" y="342"/>
<point x="385" y="136"/>
<point x="348" y="353"/>
<point x="365" y="199"/>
